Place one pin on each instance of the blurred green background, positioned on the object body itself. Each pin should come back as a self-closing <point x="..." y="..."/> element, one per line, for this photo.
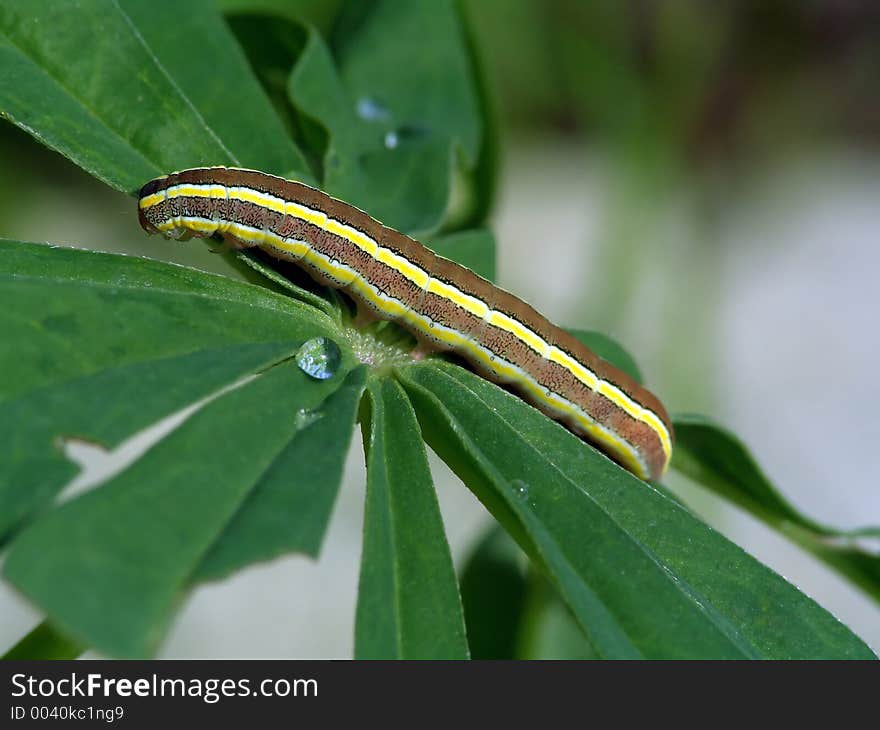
<point x="698" y="180"/>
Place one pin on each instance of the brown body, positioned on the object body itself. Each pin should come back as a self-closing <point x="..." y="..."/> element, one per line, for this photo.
<point x="440" y="310"/>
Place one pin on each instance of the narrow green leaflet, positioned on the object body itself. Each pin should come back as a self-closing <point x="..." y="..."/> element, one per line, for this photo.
<point x="319" y="12"/>
<point x="642" y="576"/>
<point x="104" y="409"/>
<point x="250" y="260"/>
<point x="139" y="103"/>
<point x="408" y="602"/>
<point x="712" y="456"/>
<point x="397" y="101"/>
<point x="396" y="185"/>
<point x="68" y="313"/>
<point x="474" y="249"/>
<point x="483" y="181"/>
<point x="493" y="594"/>
<point x="246" y="126"/>
<point x="44" y="642"/>
<point x="290" y="507"/>
<point x="511" y="611"/>
<point x="273" y="45"/>
<point x="548" y="630"/>
<point x="98" y="346"/>
<point x="109" y="568"/>
<point x="388" y="51"/>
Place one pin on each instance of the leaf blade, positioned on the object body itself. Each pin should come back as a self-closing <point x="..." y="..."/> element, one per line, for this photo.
<point x="408" y="602"/>
<point x="109" y="566"/>
<point x="591" y="520"/>
<point x="99" y="346"/>
<point x="714" y="457"/>
<point x="71" y="313"/>
<point x="493" y="594"/>
<point x="104" y="409"/>
<point x="138" y="105"/>
<point x="289" y="508"/>
<point x="44" y="642"/>
<point x="391" y="138"/>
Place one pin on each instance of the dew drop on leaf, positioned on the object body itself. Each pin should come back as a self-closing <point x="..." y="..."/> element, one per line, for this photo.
<point x="319" y="358"/>
<point x="372" y="110"/>
<point x="521" y="489"/>
<point x="304" y="418"/>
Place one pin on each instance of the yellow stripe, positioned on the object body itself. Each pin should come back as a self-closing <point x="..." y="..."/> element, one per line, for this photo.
<point x="465" y="301"/>
<point x="197" y="191"/>
<point x="425" y="281"/>
<point x="501" y="320"/>
<point x="295" y="210"/>
<point x="617" y="445"/>
<point x="412" y="272"/>
<point x="615" y="395"/>
<point x="150" y="200"/>
<point x="255" y="197"/>
<point x="345" y="275"/>
<point x="299" y="248"/>
<point x="389" y="306"/>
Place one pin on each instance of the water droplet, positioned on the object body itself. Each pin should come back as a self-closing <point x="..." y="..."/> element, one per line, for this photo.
<point x="304" y="418"/>
<point x="391" y="140"/>
<point x="372" y="110"/>
<point x="521" y="489"/>
<point x="319" y="358"/>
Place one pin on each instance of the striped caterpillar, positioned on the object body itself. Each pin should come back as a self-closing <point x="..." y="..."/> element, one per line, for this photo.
<point x="501" y="336"/>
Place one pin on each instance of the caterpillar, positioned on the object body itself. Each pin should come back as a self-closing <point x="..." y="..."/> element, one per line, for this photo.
<point x="503" y="338"/>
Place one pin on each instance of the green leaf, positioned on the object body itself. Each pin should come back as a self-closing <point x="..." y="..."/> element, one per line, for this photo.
<point x="99" y="346"/>
<point x="44" y="642"/>
<point x="104" y="408"/>
<point x="549" y="631"/>
<point x="396" y="98"/>
<point x="317" y="12"/>
<point x="140" y="103"/>
<point x="279" y="275"/>
<point x="411" y="58"/>
<point x="493" y="594"/>
<point x="71" y="313"/>
<point x="643" y="577"/>
<point x="609" y="350"/>
<point x="474" y="249"/>
<point x="289" y="508"/>
<point x="484" y="180"/>
<point x="408" y="603"/>
<point x="511" y="610"/>
<point x="714" y="457"/>
<point x="272" y="45"/>
<point x="110" y="567"/>
<point x="62" y="294"/>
